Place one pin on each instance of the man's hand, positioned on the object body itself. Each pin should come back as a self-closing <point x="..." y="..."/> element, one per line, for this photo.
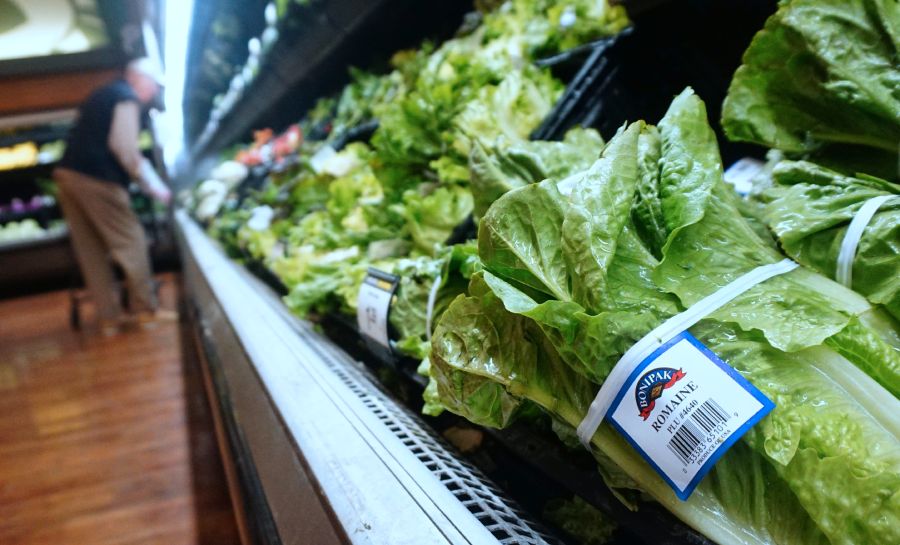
<point x="162" y="195"/>
<point x="152" y="185"/>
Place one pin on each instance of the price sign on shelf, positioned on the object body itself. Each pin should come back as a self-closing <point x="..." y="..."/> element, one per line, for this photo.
<point x="374" y="305"/>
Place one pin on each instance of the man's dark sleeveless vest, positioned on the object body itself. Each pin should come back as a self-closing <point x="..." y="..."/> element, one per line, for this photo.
<point x="87" y="149"/>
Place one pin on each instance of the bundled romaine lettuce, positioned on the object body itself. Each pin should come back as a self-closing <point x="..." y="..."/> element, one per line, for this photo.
<point x="809" y="208"/>
<point x="501" y="165"/>
<point x="570" y="283"/>
<point x="511" y="109"/>
<point x="822" y="73"/>
<point x="451" y="269"/>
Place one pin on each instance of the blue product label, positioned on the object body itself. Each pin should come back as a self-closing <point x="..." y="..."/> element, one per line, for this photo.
<point x="682" y="408"/>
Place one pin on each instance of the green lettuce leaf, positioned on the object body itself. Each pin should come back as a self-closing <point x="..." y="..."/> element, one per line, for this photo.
<point x="451" y="269"/>
<point x="809" y="209"/>
<point x="821" y="72"/>
<point x="431" y="217"/>
<point x="577" y="286"/>
<point x="501" y="165"/>
<point x="488" y="364"/>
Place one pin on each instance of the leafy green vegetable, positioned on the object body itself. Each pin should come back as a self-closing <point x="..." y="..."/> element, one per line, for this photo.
<point x="431" y="218"/>
<point x="487" y="364"/>
<point x="259" y="244"/>
<point x="513" y="108"/>
<point x="536" y="28"/>
<point x="809" y="209"/>
<point x="821" y="72"/>
<point x="501" y="165"/>
<point x="451" y="269"/>
<point x="320" y="278"/>
<point x="569" y="284"/>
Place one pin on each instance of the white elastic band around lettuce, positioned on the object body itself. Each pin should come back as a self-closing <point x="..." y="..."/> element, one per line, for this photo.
<point x="844" y="272"/>
<point x="663" y="334"/>
<point x="432" y="298"/>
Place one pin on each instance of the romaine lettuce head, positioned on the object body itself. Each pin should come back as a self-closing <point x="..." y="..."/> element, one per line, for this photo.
<point x="512" y="109"/>
<point x="501" y="165"/>
<point x="433" y="212"/>
<point x="821" y="73"/>
<point x="545" y="27"/>
<point x="809" y="208"/>
<point x="451" y="270"/>
<point x="320" y="281"/>
<point x="570" y="283"/>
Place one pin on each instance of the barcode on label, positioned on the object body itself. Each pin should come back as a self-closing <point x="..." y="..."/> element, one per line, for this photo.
<point x="701" y="423"/>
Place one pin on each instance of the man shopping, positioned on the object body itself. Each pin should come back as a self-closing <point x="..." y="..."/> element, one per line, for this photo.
<point x="102" y="158"/>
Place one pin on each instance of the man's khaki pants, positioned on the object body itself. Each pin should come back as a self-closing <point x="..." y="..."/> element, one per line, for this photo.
<point x="103" y="226"/>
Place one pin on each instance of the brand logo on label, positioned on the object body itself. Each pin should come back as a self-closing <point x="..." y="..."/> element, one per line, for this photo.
<point x="651" y="386"/>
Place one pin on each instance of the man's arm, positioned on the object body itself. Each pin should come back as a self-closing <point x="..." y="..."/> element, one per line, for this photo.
<point x="124" y="133"/>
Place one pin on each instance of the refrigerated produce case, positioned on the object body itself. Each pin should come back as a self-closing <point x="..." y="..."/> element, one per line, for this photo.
<point x="40" y="256"/>
<point x="319" y="451"/>
<point x="322" y="434"/>
<point x="317" y="446"/>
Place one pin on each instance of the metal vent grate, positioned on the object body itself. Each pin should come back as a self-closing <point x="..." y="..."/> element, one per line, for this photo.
<point x="499" y="515"/>
<point x="468" y="484"/>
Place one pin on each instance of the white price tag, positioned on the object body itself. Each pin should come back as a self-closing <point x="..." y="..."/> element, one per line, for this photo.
<point x="682" y="408"/>
<point x="373" y="305"/>
<point x="742" y="172"/>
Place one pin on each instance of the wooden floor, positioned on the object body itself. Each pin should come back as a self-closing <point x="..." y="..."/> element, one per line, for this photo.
<point x="104" y="441"/>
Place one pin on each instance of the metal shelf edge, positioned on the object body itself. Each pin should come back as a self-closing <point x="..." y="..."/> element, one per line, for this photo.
<point x="367" y="474"/>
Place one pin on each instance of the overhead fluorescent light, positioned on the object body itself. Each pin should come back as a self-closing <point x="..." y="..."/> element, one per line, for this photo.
<point x="178" y="20"/>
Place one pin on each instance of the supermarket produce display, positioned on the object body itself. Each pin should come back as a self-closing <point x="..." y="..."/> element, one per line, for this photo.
<point x="560" y="317"/>
<point x="375" y="205"/>
<point x="461" y="225"/>
<point x="33" y="240"/>
<point x="25" y="231"/>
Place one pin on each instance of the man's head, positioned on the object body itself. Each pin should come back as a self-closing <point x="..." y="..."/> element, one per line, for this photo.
<point x="145" y="78"/>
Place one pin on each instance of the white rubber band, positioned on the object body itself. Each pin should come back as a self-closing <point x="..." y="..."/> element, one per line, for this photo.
<point x="844" y="271"/>
<point x="663" y="334"/>
<point x="432" y="298"/>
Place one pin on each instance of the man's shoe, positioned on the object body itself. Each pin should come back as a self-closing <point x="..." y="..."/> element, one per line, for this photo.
<point x="151" y="319"/>
<point x="108" y="328"/>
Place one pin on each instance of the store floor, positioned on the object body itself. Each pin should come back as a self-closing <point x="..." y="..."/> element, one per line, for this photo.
<point x="104" y="440"/>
